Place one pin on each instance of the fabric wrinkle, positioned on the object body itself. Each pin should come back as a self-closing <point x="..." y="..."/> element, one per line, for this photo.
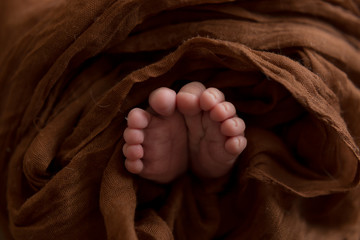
<point x="72" y="70"/>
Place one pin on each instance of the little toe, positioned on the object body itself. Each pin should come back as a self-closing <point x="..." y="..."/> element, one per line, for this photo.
<point x="134" y="136"/>
<point x="188" y="98"/>
<point x="235" y="145"/>
<point x="163" y="101"/>
<point x="133" y="152"/>
<point x="222" y="111"/>
<point x="134" y="166"/>
<point x="232" y="127"/>
<point x="138" y="118"/>
<point x="211" y="97"/>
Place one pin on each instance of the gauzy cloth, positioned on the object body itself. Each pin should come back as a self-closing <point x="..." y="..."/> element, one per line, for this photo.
<point x="71" y="70"/>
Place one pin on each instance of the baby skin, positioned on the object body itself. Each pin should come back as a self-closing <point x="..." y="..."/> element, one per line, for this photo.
<point x="194" y="128"/>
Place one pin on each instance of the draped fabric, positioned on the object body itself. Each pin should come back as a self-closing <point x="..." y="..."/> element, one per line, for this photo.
<point x="71" y="70"/>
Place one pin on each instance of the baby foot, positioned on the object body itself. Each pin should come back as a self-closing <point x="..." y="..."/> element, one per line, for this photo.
<point x="156" y="140"/>
<point x="215" y="133"/>
<point x="159" y="141"/>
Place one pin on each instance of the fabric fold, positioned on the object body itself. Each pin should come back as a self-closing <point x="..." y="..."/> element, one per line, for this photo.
<point x="72" y="70"/>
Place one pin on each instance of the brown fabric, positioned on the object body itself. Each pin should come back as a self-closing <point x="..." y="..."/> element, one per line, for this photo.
<point x="70" y="71"/>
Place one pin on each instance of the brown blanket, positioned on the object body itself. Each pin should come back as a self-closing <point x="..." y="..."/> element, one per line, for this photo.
<point x="70" y="70"/>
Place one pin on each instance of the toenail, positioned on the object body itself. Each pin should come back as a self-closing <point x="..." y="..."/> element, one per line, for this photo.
<point x="242" y="142"/>
<point x="236" y="124"/>
<point x="237" y="141"/>
<point x="213" y="95"/>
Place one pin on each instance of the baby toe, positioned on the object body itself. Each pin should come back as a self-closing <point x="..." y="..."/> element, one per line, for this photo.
<point x="133" y="136"/>
<point x="235" y="145"/>
<point x="133" y="151"/>
<point x="138" y="118"/>
<point x="188" y="98"/>
<point x="222" y="111"/>
<point x="163" y="101"/>
<point x="210" y="98"/>
<point x="134" y="166"/>
<point x="232" y="127"/>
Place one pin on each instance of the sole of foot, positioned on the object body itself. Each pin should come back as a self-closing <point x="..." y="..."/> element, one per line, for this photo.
<point x="215" y="133"/>
<point x="195" y="125"/>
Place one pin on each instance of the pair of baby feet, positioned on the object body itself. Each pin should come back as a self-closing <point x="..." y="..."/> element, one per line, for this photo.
<point x="194" y="128"/>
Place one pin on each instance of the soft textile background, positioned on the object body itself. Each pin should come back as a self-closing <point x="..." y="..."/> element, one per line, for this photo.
<point x="70" y="71"/>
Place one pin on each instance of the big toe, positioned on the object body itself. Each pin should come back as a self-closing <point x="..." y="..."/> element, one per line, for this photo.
<point x="188" y="98"/>
<point x="163" y="101"/>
